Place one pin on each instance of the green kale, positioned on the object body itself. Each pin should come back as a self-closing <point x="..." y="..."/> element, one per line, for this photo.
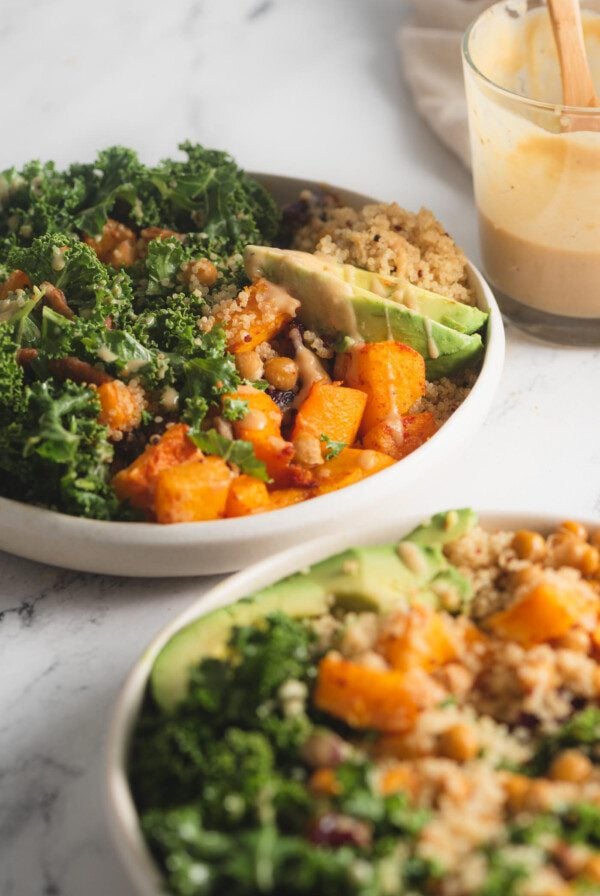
<point x="503" y="876"/>
<point x="201" y="862"/>
<point x="261" y="659"/>
<point x="163" y="262"/>
<point x="55" y="452"/>
<point x="582" y="731"/>
<point x="332" y="448"/>
<point x="234" y="451"/>
<point x="11" y="375"/>
<point x="234" y="409"/>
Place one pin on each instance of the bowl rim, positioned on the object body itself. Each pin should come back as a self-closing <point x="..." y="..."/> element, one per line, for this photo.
<point x="304" y="514"/>
<point x="122" y="816"/>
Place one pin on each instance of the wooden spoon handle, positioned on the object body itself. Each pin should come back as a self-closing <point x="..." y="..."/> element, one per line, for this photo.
<point x="577" y="83"/>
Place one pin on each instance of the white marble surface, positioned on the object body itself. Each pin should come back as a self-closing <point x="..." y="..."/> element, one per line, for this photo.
<point x="302" y="87"/>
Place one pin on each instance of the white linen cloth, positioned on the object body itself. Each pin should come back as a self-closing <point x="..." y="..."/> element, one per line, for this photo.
<point x="430" y="44"/>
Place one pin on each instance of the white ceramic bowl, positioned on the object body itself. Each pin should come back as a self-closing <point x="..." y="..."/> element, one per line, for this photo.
<point x="184" y="549"/>
<point x="123" y="818"/>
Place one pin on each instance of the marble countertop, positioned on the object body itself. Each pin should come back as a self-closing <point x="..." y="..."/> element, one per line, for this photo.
<point x="302" y="88"/>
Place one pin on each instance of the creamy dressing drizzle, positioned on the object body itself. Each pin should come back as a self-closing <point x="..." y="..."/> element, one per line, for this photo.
<point x="309" y="367"/>
<point x="106" y="354"/>
<point x="395" y="427"/>
<point x="279" y="298"/>
<point x="432" y="348"/>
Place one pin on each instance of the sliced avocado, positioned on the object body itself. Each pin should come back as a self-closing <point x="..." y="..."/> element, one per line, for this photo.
<point x="334" y="307"/>
<point x="442" y="528"/>
<point x="298" y="596"/>
<point x="376" y="578"/>
<point x="443" y="310"/>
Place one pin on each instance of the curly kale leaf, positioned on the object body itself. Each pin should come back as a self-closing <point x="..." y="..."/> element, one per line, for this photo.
<point x="89" y="286"/>
<point x="234" y="451"/>
<point x="37" y="200"/>
<point x="11" y="375"/>
<point x="55" y="451"/>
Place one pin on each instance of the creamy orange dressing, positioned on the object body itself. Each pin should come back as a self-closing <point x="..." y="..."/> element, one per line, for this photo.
<point x="310" y="368"/>
<point x="537" y="187"/>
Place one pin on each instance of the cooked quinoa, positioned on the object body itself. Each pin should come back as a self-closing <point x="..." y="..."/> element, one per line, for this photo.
<point x="388" y="239"/>
<point x="446" y="749"/>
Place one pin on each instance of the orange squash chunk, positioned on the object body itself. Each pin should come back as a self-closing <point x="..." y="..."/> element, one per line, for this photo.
<point x="331" y="410"/>
<point x="262" y="427"/>
<point x="286" y="497"/>
<point x="323" y="782"/>
<point x="350" y="466"/>
<point x="365" y="697"/>
<point x="120" y="406"/>
<point x="266" y="310"/>
<point x="192" y="491"/>
<point x="397" y="778"/>
<point x="247" y="495"/>
<point x="401" y="439"/>
<point x="137" y="482"/>
<point x="392" y="375"/>
<point x="16" y="280"/>
<point x="420" y="637"/>
<point x="545" y="612"/>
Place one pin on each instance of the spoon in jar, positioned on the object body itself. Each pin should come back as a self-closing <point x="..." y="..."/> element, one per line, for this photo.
<point x="577" y="83"/>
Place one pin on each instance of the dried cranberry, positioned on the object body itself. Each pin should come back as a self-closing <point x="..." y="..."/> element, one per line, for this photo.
<point x="282" y="398"/>
<point x="333" y="829"/>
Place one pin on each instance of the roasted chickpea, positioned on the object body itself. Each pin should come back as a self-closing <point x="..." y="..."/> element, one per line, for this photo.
<point x="529" y="545"/>
<point x="281" y="373"/>
<point x="568" y="550"/>
<point x="572" y="766"/>
<point x="459" y="742"/>
<point x="574" y="528"/>
<point x="249" y="365"/>
<point x="307" y="451"/>
<point x="201" y="270"/>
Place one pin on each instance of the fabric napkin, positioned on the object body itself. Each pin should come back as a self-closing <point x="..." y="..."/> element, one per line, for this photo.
<point x="430" y="44"/>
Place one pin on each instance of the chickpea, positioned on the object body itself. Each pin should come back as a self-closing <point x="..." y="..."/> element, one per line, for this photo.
<point x="576" y="639"/>
<point x="574" y="528"/>
<point x="459" y="742"/>
<point x="307" y="451"/>
<point x="567" y="550"/>
<point x="529" y="545"/>
<point x="572" y="766"/>
<point x="249" y="365"/>
<point x="281" y="373"/>
<point x="595" y="539"/>
<point x="202" y="270"/>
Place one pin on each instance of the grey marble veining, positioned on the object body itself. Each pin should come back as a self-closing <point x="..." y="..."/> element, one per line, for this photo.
<point x="301" y="87"/>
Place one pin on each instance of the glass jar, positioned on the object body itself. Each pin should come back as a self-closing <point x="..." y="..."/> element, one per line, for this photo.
<point x="536" y="171"/>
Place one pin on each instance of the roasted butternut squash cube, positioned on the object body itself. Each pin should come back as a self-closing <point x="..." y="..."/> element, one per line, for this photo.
<point x="390" y="373"/>
<point x="545" y="612"/>
<point x="194" y="491"/>
<point x="259" y="314"/>
<point x="332" y="410"/>
<point x="121" y="406"/>
<point x="351" y="465"/>
<point x="402" y="437"/>
<point x="247" y="495"/>
<point x="286" y="497"/>
<point x="420" y="637"/>
<point x="365" y="697"/>
<point x="137" y="482"/>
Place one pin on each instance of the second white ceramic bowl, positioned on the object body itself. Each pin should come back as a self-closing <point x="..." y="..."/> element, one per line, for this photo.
<point x="122" y="815"/>
<point x="186" y="549"/>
